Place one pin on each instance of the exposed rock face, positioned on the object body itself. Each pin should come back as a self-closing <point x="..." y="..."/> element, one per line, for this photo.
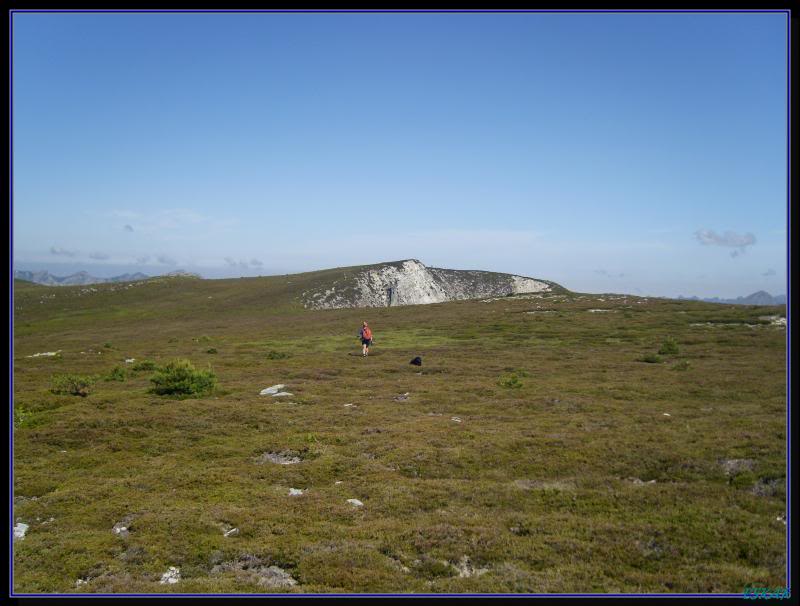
<point x="412" y="283"/>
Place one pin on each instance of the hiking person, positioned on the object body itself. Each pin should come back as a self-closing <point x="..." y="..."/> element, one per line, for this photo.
<point x="365" y="334"/>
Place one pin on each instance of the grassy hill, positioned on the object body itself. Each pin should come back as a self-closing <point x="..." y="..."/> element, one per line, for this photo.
<point x="535" y="450"/>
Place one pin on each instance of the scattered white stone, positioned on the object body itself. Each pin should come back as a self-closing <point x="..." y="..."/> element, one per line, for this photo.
<point x="46" y="353"/>
<point x="781" y="518"/>
<point x="271" y="390"/>
<point x="456" y="419"/>
<point x="279" y="458"/>
<point x="276" y="577"/>
<point x="355" y="502"/>
<point x="130" y="360"/>
<point x="48" y="521"/>
<point x="402" y="397"/>
<point x="594" y="311"/>
<point x="466" y="569"/>
<point x="19" y="531"/>
<point x="735" y="466"/>
<point x="282" y="393"/>
<point x="639" y="482"/>
<point x="295" y="492"/>
<point x="120" y="529"/>
<point x="337" y="482"/>
<point x="666" y="414"/>
<point x="233" y="532"/>
<point x="349" y="405"/>
<point x="172" y="576"/>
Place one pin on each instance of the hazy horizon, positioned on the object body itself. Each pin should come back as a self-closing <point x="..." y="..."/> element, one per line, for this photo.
<point x="640" y="153"/>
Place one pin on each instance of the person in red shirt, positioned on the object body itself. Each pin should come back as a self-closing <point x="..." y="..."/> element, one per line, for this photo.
<point x="365" y="334"/>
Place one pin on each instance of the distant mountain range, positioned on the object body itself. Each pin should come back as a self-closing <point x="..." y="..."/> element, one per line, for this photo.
<point x="45" y="278"/>
<point x="757" y="298"/>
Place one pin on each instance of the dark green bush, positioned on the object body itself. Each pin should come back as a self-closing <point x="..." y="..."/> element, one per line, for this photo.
<point x="117" y="374"/>
<point x="211" y="350"/>
<point x="277" y="355"/>
<point x="650" y="358"/>
<point x="144" y="365"/>
<point x="669" y="347"/>
<point x="74" y="385"/>
<point x="180" y="377"/>
<point x="511" y="381"/>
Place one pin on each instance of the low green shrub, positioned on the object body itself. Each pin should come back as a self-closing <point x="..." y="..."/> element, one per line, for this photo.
<point x="117" y="374"/>
<point x="74" y="385"/>
<point x="277" y="355"/>
<point x="211" y="350"/>
<point x="669" y="347"/>
<point x="180" y="378"/>
<point x="510" y="381"/>
<point x="144" y="365"/>
<point x="682" y="365"/>
<point x="650" y="358"/>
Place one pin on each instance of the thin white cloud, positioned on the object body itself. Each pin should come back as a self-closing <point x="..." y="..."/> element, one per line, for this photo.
<point x="729" y="239"/>
<point x="166" y="260"/>
<point x="62" y="252"/>
<point x="98" y="256"/>
<point x="604" y="272"/>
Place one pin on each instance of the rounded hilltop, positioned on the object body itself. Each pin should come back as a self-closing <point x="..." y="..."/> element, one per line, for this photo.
<point x="411" y="282"/>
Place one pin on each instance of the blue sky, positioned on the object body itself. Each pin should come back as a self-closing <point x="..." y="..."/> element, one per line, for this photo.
<point x="638" y="152"/>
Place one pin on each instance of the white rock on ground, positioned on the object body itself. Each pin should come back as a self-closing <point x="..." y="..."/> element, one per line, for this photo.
<point x="282" y="393"/>
<point x="466" y="569"/>
<point x="130" y="360"/>
<point x="268" y="391"/>
<point x="172" y="576"/>
<point x="233" y="532"/>
<point x="122" y="528"/>
<point x="355" y="502"/>
<point x="295" y="492"/>
<point x="276" y="577"/>
<point x="46" y="353"/>
<point x="19" y="531"/>
<point x="279" y="458"/>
